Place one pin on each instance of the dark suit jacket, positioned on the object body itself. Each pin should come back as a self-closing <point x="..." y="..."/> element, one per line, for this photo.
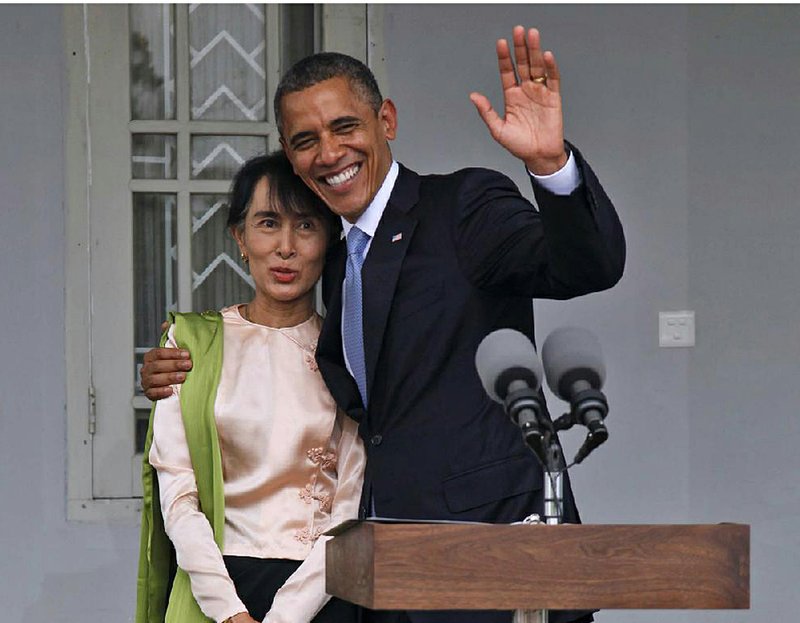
<point x="471" y="254"/>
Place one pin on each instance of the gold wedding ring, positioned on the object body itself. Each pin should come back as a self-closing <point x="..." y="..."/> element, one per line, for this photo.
<point x="540" y="80"/>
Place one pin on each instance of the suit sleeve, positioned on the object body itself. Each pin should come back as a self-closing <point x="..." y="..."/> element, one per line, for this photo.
<point x="572" y="245"/>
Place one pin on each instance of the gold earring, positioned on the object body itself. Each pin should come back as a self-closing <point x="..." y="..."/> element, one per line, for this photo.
<point x="245" y="259"/>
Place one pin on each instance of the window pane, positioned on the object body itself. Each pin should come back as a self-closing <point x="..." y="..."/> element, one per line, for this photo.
<point x="152" y="59"/>
<point x="155" y="284"/>
<point x="219" y="277"/>
<point x="227" y="59"/>
<point x="140" y="429"/>
<point x="154" y="156"/>
<point x="297" y="33"/>
<point x="219" y="157"/>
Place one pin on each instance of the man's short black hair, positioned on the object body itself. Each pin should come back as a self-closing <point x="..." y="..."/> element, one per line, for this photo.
<point x="316" y="68"/>
<point x="287" y="192"/>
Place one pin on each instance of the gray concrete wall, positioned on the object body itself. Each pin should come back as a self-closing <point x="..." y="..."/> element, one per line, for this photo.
<point x="744" y="254"/>
<point x="688" y="114"/>
<point x="626" y="109"/>
<point x="701" y="162"/>
<point x="52" y="570"/>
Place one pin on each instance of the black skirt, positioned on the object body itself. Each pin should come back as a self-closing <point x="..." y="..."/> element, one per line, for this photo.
<point x="258" y="579"/>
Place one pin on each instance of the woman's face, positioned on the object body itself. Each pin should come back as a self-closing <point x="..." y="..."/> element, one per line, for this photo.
<point x="286" y="252"/>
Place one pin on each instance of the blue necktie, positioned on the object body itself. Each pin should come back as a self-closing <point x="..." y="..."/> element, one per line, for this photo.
<point x="352" y="319"/>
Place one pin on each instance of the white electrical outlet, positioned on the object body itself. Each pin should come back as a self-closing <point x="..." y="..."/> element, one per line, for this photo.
<point x="676" y="329"/>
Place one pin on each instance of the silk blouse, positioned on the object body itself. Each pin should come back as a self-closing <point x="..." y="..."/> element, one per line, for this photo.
<point x="293" y="466"/>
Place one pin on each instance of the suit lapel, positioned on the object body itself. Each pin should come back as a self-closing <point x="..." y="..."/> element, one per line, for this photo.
<point x="384" y="261"/>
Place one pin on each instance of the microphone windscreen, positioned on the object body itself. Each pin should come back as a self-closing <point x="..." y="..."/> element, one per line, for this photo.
<point x="507" y="351"/>
<point x="570" y="354"/>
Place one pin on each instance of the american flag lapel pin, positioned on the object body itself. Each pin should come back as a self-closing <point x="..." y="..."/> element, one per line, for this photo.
<point x="397" y="237"/>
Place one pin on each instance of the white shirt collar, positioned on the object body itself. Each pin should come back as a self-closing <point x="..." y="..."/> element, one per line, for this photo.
<point x="368" y="221"/>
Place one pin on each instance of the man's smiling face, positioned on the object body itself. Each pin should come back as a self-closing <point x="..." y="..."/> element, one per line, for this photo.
<point x="338" y="144"/>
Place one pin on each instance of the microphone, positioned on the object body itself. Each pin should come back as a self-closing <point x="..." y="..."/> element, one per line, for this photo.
<point x="573" y="365"/>
<point x="511" y="374"/>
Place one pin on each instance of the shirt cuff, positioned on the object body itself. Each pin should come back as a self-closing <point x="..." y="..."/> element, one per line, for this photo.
<point x="563" y="181"/>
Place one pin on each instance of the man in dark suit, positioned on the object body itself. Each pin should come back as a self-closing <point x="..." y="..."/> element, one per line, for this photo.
<point x="430" y="265"/>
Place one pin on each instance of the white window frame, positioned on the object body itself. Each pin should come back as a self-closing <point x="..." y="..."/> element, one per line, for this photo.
<point x="96" y="49"/>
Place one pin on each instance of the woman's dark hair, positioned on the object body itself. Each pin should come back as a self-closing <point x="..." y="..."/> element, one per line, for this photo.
<point x="287" y="192"/>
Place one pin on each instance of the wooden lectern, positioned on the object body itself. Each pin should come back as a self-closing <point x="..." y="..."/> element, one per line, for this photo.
<point x="430" y="566"/>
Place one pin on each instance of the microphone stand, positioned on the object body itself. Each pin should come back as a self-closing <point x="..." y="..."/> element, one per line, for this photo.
<point x="553" y="510"/>
<point x="589" y="407"/>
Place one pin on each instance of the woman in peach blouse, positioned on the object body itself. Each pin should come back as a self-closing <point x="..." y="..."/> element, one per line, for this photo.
<point x="292" y="463"/>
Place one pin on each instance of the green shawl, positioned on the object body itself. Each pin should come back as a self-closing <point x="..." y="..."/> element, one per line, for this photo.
<point x="201" y="335"/>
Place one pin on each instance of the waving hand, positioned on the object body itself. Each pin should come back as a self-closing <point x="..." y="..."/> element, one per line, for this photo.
<point x="532" y="128"/>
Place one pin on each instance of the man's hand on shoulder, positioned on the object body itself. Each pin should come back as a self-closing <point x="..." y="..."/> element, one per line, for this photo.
<point x="164" y="367"/>
<point x="532" y="127"/>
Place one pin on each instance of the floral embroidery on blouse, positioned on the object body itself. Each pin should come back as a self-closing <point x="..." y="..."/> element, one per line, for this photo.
<point x="307" y="536"/>
<point x="308" y="495"/>
<point x="324" y="460"/>
<point x="309" y="351"/>
<point x="318" y="456"/>
<point x="311" y="359"/>
<point x="324" y="502"/>
<point x="311" y="362"/>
